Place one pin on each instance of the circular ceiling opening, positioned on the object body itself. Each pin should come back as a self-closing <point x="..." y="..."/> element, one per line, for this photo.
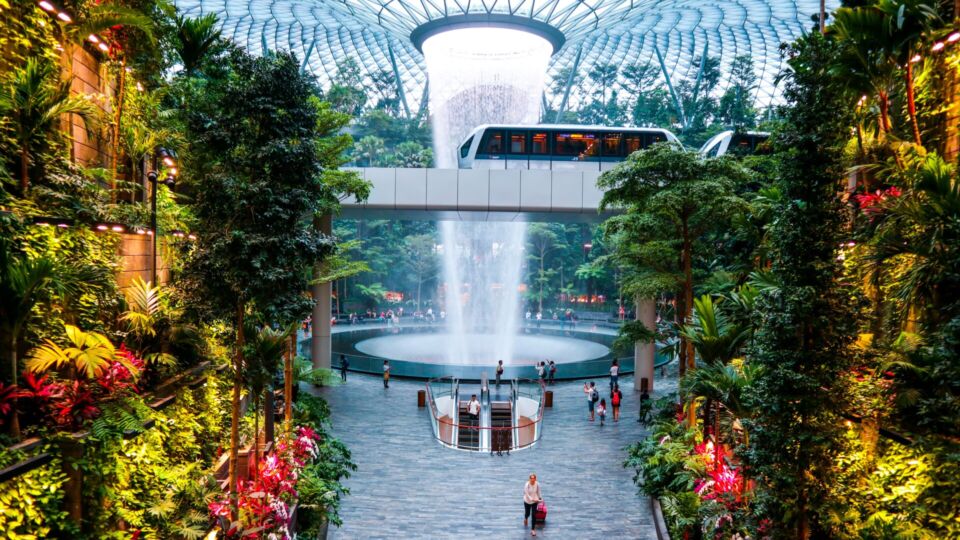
<point x="421" y="33"/>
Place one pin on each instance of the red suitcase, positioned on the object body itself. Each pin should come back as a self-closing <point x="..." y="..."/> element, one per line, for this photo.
<point x="541" y="511"/>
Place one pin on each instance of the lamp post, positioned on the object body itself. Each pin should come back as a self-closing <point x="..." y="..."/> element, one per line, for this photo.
<point x="169" y="162"/>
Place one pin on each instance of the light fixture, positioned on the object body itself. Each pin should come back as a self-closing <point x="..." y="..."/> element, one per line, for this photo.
<point x="141" y="230"/>
<point x="103" y="47"/>
<point x="178" y="234"/>
<point x="93" y="38"/>
<point x="937" y="46"/>
<point x="102" y="227"/>
<point x="47" y="6"/>
<point x="168" y="161"/>
<point x="117" y="228"/>
<point x="916" y="58"/>
<point x="139" y="87"/>
<point x="192" y="236"/>
<point x="64" y="17"/>
<point x="172" y="171"/>
<point x="953" y="37"/>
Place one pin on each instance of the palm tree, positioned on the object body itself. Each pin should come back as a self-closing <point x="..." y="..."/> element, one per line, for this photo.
<point x="23" y="283"/>
<point x="725" y="384"/>
<point x="264" y="350"/>
<point x="196" y="39"/>
<point x="920" y="227"/>
<point x="34" y="100"/>
<point x="906" y="21"/>
<point x="714" y="337"/>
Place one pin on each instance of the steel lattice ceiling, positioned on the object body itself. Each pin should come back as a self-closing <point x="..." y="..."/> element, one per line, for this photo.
<point x="376" y="33"/>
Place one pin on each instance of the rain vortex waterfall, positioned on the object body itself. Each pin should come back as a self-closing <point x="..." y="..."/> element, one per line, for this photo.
<point x="482" y="76"/>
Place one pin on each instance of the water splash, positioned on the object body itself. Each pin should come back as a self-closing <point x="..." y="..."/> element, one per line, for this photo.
<point x="483" y="267"/>
<point x="482" y="76"/>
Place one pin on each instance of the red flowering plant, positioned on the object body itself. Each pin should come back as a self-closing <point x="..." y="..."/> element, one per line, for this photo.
<point x="264" y="502"/>
<point x="68" y="386"/>
<point x="872" y="204"/>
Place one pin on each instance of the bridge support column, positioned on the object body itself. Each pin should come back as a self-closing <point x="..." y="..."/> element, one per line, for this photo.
<point x="322" y="294"/>
<point x="644" y="354"/>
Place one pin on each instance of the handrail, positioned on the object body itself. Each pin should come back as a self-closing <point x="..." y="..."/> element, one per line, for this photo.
<point x="455" y="425"/>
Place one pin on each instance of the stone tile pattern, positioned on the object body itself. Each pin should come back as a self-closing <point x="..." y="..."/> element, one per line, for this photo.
<point x="408" y="486"/>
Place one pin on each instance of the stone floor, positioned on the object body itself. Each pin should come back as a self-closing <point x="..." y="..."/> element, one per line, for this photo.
<point x="408" y="486"/>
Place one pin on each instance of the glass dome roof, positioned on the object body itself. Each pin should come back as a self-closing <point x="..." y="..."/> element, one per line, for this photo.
<point x="668" y="34"/>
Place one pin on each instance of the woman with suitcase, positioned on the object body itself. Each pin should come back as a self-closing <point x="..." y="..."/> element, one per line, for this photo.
<point x="531" y="499"/>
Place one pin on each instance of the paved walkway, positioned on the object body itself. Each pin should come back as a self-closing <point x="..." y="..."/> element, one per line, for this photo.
<point x="408" y="486"/>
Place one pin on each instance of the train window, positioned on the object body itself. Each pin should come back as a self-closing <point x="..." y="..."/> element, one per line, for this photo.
<point x="611" y="145"/>
<point x="465" y="149"/>
<point x="632" y="143"/>
<point x="539" y="144"/>
<point x="492" y="143"/>
<point x="653" y="138"/>
<point x="580" y="145"/>
<point x="518" y="142"/>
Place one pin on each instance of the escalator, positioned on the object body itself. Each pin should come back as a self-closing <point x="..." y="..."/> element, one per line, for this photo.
<point x="501" y="416"/>
<point x="468" y="429"/>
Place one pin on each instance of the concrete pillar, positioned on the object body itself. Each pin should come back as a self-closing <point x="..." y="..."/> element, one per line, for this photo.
<point x="322" y="295"/>
<point x="644" y="354"/>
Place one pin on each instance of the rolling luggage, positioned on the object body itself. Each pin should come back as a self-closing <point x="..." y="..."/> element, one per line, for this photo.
<point x="541" y="511"/>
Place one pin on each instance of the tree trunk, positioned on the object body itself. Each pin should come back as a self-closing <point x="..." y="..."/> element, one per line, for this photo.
<point x="884" y="100"/>
<point x="121" y="85"/>
<point x="24" y="170"/>
<point x="288" y="383"/>
<point x="687" y="311"/>
<point x="11" y="356"/>
<point x="540" y="299"/>
<point x="911" y="101"/>
<point x="235" y="410"/>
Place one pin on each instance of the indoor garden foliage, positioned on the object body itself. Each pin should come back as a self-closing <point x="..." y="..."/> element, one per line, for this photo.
<point x="129" y="394"/>
<point x="823" y="398"/>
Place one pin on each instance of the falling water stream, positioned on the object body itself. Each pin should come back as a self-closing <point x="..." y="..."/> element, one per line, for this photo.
<point x="482" y="76"/>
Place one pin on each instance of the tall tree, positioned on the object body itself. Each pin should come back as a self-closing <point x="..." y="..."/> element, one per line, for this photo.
<point x="803" y="328"/>
<point x="670" y="198"/>
<point x="258" y="185"/>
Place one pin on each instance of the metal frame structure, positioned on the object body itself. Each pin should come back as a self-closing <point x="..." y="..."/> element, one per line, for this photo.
<point x="385" y="34"/>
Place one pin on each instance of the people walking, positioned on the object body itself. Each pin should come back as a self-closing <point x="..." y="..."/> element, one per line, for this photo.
<point x="531" y="498"/>
<point x="539" y="318"/>
<point x="602" y="410"/>
<point x="473" y="410"/>
<point x="344" y="366"/>
<point x="616" y="397"/>
<point x="541" y="371"/>
<point x="499" y="372"/>
<point x="386" y="374"/>
<point x="614" y="373"/>
<point x="553" y="371"/>
<point x="592" y="397"/>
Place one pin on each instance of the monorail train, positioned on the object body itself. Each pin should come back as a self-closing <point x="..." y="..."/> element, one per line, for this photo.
<point x="733" y="142"/>
<point x="555" y="147"/>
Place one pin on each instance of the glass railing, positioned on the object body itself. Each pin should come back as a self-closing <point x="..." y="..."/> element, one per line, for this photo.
<point x="526" y="404"/>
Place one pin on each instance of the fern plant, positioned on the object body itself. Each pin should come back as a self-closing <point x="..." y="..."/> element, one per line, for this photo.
<point x="89" y="353"/>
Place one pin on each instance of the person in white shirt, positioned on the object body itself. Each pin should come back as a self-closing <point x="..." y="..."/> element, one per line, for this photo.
<point x="531" y="498"/>
<point x="473" y="409"/>
<point x="614" y="374"/>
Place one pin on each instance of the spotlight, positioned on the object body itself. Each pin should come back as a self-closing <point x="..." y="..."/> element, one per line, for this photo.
<point x="916" y="58"/>
<point x="102" y="227"/>
<point x="937" y="46"/>
<point x="168" y="161"/>
<point x="64" y="17"/>
<point x="47" y="6"/>
<point x="103" y="47"/>
<point x="953" y="37"/>
<point x="93" y="38"/>
<point x="192" y="236"/>
<point x="178" y="234"/>
<point x="172" y="171"/>
<point x="47" y="221"/>
<point x="141" y="231"/>
<point x="117" y="228"/>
